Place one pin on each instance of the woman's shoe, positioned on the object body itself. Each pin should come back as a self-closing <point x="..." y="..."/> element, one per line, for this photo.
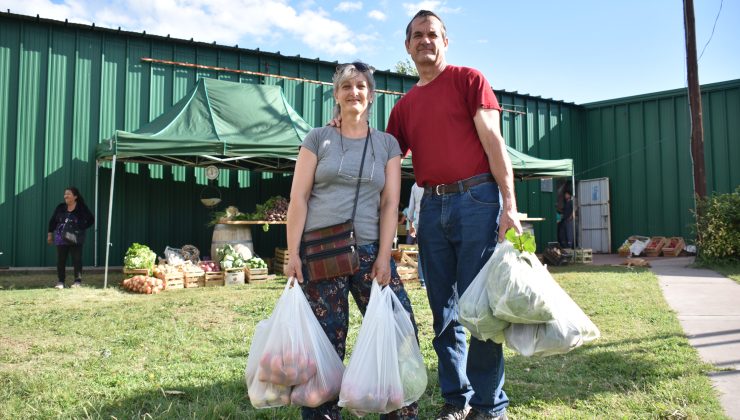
<point x="77" y="283"/>
<point x="60" y="285"/>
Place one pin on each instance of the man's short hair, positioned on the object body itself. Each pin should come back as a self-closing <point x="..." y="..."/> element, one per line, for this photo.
<point x="423" y="14"/>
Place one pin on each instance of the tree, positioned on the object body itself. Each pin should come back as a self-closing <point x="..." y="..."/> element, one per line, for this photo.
<point x="406" y="67"/>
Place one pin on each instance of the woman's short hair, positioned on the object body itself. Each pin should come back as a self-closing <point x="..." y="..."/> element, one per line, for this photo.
<point x="348" y="71"/>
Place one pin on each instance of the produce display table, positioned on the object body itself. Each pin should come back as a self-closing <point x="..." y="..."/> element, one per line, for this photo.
<point x="235" y="232"/>
<point x="528" y="223"/>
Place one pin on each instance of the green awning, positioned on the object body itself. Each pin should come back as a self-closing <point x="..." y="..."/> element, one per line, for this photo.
<point x="227" y="124"/>
<point x="524" y="166"/>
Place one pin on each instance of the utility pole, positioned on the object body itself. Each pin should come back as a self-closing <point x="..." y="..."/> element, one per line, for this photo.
<point x="697" y="128"/>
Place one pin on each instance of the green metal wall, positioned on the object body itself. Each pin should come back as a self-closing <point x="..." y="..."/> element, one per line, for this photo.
<point x="65" y="87"/>
<point x="546" y="129"/>
<point x="642" y="144"/>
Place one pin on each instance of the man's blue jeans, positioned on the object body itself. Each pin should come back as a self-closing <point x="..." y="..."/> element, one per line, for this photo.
<point x="459" y="235"/>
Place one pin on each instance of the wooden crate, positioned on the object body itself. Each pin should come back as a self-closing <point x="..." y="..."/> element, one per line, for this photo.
<point x="173" y="280"/>
<point x="282" y="254"/>
<point x="214" y="278"/>
<point x="673" y="246"/>
<point x="256" y="275"/>
<point x="655" y="246"/>
<point x="280" y="262"/>
<point x="130" y="272"/>
<point x="407" y="273"/>
<point x="193" y="280"/>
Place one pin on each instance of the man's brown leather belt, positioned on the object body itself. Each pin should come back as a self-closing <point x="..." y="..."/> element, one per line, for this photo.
<point x="459" y="186"/>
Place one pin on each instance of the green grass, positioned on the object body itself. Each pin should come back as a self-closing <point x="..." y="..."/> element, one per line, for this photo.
<point x="730" y="270"/>
<point x="94" y="353"/>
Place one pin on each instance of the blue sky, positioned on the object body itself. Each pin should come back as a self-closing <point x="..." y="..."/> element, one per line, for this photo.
<point x="577" y="50"/>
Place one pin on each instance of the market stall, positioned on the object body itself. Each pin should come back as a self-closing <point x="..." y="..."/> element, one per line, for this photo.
<point x="222" y="124"/>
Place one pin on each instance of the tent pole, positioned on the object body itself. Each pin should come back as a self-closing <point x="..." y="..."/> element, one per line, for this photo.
<point x="97" y="184"/>
<point x="110" y="213"/>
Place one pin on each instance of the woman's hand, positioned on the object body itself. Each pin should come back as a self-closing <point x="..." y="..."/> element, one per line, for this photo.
<point x="294" y="268"/>
<point x="49" y="238"/>
<point x="382" y="271"/>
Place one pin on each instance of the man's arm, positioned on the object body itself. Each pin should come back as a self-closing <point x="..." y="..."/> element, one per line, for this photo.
<point x="487" y="124"/>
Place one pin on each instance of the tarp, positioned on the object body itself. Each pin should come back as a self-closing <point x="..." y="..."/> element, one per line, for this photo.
<point x="524" y="166"/>
<point x="227" y="124"/>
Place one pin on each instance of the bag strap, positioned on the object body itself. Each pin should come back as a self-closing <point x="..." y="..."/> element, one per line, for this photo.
<point x="359" y="177"/>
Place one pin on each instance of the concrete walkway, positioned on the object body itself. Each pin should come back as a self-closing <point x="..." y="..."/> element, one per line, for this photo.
<point x="708" y="307"/>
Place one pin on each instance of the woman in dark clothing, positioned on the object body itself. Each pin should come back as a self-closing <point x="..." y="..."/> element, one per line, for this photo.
<point x="67" y="231"/>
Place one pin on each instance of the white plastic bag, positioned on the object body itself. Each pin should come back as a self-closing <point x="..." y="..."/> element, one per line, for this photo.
<point x="291" y="348"/>
<point x="324" y="386"/>
<point x="569" y="329"/>
<point x="475" y="311"/>
<point x="638" y="246"/>
<point x="411" y="365"/>
<point x="386" y="345"/>
<point x="516" y="291"/>
<point x="262" y="394"/>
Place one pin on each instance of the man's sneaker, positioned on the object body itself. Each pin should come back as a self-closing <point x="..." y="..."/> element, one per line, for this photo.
<point x="60" y="285"/>
<point x="450" y="412"/>
<point x="77" y="283"/>
<point x="477" y="415"/>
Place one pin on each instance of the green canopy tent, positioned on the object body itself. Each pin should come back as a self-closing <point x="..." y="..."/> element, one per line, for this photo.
<point x="525" y="167"/>
<point x="225" y="124"/>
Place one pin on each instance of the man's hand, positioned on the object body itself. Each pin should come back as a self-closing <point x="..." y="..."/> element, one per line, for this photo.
<point x="509" y="219"/>
<point x="412" y="231"/>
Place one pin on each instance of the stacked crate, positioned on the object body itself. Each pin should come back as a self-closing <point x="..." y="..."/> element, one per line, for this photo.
<point x="280" y="262"/>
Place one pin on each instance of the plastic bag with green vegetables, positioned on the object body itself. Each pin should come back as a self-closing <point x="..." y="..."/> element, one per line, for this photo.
<point x="518" y="291"/>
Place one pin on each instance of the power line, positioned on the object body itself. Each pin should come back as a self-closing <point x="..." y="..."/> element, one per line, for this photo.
<point x="713" y="26"/>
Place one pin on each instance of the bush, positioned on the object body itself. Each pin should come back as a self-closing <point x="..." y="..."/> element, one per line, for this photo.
<point x="718" y="229"/>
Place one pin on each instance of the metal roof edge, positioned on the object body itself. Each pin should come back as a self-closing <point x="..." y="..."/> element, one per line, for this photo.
<point x="663" y="94"/>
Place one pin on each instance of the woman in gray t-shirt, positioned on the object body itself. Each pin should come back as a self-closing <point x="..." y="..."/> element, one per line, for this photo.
<point x="323" y="194"/>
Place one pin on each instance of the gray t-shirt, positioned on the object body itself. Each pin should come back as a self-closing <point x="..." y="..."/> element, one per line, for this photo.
<point x="335" y="181"/>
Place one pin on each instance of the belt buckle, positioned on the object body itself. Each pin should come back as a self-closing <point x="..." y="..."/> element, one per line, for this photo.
<point x="436" y="189"/>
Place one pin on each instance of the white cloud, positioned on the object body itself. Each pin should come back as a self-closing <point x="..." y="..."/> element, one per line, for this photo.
<point x="377" y="15"/>
<point x="482" y="41"/>
<point x="348" y="6"/>
<point x="250" y="23"/>
<point x="432" y="5"/>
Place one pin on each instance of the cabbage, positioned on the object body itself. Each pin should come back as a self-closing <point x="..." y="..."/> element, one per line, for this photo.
<point x="139" y="256"/>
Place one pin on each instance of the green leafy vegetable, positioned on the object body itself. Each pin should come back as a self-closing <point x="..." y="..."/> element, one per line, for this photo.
<point x="523" y="243"/>
<point x="139" y="256"/>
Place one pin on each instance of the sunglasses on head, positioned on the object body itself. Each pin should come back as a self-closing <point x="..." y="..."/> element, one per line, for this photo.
<point x="359" y="65"/>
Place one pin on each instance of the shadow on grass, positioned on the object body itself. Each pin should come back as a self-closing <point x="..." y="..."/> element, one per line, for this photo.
<point x="578" y="376"/>
<point x="23" y="280"/>
<point x="218" y="400"/>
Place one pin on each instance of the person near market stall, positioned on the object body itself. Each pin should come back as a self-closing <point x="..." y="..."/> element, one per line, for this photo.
<point x="453" y="116"/>
<point x="67" y="232"/>
<point x="413" y="226"/>
<point x="323" y="194"/>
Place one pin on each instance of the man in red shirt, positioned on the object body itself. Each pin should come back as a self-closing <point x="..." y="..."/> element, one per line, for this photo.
<point x="451" y="122"/>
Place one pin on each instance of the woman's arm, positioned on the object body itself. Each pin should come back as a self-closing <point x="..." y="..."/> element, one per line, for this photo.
<point x="389" y="199"/>
<point x="300" y="191"/>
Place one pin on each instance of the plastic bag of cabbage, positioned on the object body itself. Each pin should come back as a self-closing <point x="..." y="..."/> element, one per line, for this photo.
<point x="544" y="319"/>
<point x="475" y="311"/>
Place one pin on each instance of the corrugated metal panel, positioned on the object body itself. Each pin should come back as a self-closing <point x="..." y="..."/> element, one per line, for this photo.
<point x="642" y="144"/>
<point x="79" y="85"/>
<point x="548" y="130"/>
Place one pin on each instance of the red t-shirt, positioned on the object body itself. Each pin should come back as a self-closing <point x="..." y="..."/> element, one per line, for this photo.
<point x="435" y="121"/>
